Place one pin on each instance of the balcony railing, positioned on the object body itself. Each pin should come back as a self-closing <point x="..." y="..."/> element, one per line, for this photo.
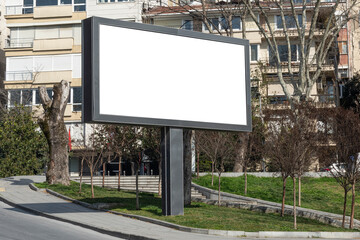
<point x="324" y="98"/>
<point x="19" y="43"/>
<point x="18" y="76"/>
<point x="19" y="9"/>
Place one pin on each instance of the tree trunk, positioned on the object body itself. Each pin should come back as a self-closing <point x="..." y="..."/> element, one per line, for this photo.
<point x="283" y="197"/>
<point x="119" y="172"/>
<point x="198" y="163"/>
<point x="103" y="177"/>
<point x="240" y="155"/>
<point x="81" y="173"/>
<point x="137" y="183"/>
<point x="212" y="173"/>
<point x="294" y="204"/>
<point x="92" y="184"/>
<point x="53" y="126"/>
<point x="352" y="205"/>
<point x="344" y="208"/>
<point x="187" y="165"/>
<point x="159" y="185"/>
<point x="299" y="191"/>
<point x="245" y="175"/>
<point x="137" y="189"/>
<point x="219" y="190"/>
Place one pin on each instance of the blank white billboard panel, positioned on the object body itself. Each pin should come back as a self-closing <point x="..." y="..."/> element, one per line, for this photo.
<point x="148" y="75"/>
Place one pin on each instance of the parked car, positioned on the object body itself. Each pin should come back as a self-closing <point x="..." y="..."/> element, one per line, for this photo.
<point x="335" y="168"/>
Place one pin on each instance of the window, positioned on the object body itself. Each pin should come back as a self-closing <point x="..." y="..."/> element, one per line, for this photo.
<point x="28" y="3"/>
<point x="76" y="99"/>
<point x="277" y="99"/>
<point x="222" y="23"/>
<point x="343" y="73"/>
<point x="343" y="49"/>
<point x="14" y="97"/>
<point x="290" y="21"/>
<point x="46" y="2"/>
<point x="30" y="97"/>
<point x="213" y="23"/>
<point x="23" y="96"/>
<point x="187" y="25"/>
<point x="342" y="21"/>
<point x="79" y="5"/>
<point x="28" y="7"/>
<point x="236" y="23"/>
<point x="254" y="52"/>
<point x="65" y="2"/>
<point x="110" y="1"/>
<point x="37" y="95"/>
<point x="283" y="54"/>
<point x="29" y="64"/>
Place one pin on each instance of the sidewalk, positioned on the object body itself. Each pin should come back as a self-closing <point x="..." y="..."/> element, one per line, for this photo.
<point x="15" y="191"/>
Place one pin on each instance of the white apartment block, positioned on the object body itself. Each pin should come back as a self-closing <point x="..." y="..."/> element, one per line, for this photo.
<point x="43" y="47"/>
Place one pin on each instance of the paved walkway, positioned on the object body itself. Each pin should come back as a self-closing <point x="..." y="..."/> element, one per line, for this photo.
<point x="15" y="190"/>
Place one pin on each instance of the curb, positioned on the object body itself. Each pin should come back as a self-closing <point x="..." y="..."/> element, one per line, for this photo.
<point x="225" y="233"/>
<point x="94" y="228"/>
<point x="254" y="204"/>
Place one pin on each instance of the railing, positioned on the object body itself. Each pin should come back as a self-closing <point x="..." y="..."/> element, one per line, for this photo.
<point x="18" y="76"/>
<point x="14" y="10"/>
<point x="19" y="43"/>
<point x="19" y="9"/>
<point x="324" y="98"/>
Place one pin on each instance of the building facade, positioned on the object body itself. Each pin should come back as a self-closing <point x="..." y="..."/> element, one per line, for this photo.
<point x="340" y="64"/>
<point x="43" y="47"/>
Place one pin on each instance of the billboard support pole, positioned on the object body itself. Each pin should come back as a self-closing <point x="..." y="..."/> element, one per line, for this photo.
<point x="172" y="171"/>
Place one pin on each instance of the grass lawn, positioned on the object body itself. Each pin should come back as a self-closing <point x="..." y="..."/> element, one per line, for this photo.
<point x="323" y="194"/>
<point x="198" y="215"/>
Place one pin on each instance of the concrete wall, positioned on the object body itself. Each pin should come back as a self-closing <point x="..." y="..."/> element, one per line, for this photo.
<point x="269" y="174"/>
<point x="130" y="11"/>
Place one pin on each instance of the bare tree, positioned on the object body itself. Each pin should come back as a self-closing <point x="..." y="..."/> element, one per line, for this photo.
<point x="248" y="148"/>
<point x="121" y="139"/>
<point x="53" y="126"/>
<point x="218" y="147"/>
<point x="290" y="142"/>
<point x="343" y="130"/>
<point x="187" y="138"/>
<point x="316" y="24"/>
<point x="93" y="152"/>
<point x="150" y="139"/>
<point x="197" y="152"/>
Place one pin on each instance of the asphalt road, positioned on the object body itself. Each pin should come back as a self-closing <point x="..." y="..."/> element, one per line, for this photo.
<point x="16" y="224"/>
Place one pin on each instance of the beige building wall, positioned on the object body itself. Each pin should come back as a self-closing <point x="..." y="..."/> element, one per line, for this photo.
<point x="4" y="32"/>
<point x="44" y="49"/>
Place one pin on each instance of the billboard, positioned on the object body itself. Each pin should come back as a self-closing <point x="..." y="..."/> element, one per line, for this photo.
<point x="142" y="74"/>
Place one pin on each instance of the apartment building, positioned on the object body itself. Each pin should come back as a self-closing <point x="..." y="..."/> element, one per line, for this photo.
<point x="3" y="36"/>
<point x="43" y="47"/>
<point x="341" y="62"/>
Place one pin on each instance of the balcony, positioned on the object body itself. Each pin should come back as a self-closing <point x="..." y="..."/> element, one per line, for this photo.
<point x="53" y="44"/>
<point x="44" y="10"/>
<point x="271" y="69"/>
<point x="18" y="76"/>
<point x="18" y="10"/>
<point x="293" y="33"/>
<point x="19" y="43"/>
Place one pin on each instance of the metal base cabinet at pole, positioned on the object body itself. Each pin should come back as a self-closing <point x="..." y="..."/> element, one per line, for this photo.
<point x="172" y="171"/>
